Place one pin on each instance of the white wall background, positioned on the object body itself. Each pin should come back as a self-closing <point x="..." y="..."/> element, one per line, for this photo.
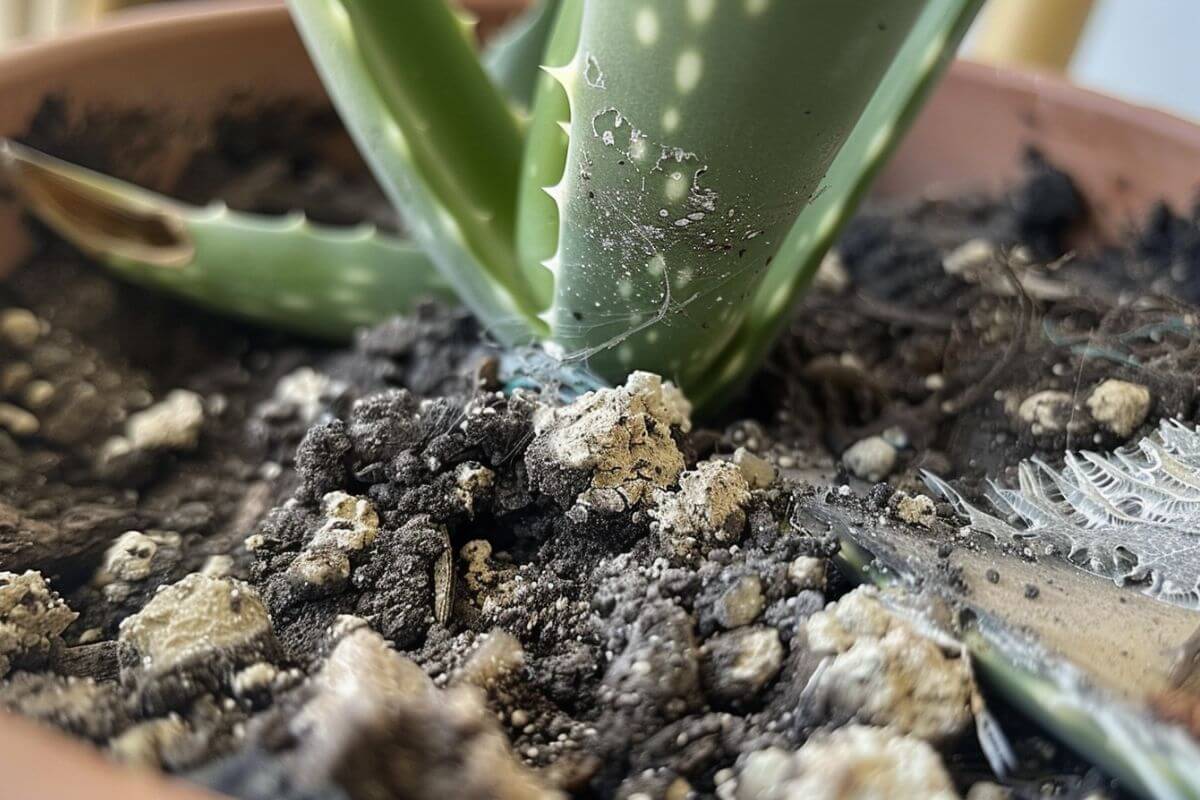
<point x="1145" y="50"/>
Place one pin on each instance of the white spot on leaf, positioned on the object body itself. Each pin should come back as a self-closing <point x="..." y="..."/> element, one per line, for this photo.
<point x="646" y="26"/>
<point x="688" y="70"/>
<point x="701" y="10"/>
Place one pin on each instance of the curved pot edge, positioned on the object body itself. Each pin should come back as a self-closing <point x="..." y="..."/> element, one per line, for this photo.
<point x="1066" y="93"/>
<point x="187" y="17"/>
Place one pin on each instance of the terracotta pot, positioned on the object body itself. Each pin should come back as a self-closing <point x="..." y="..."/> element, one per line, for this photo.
<point x="189" y="60"/>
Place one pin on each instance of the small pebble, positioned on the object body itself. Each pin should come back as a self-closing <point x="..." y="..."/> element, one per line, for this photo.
<point x="757" y="471"/>
<point x="18" y="421"/>
<point x="1046" y="412"/>
<point x="988" y="791"/>
<point x="38" y="394"/>
<point x="171" y="424"/>
<point x="832" y="275"/>
<point x="1119" y="406"/>
<point x="741" y="603"/>
<point x="738" y="664"/>
<point x="20" y="327"/>
<point x="971" y="256"/>
<point x="871" y="459"/>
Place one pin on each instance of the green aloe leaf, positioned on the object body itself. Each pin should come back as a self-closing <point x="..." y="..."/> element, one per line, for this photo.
<point x="514" y="57"/>
<point x="917" y="67"/>
<point x="697" y="133"/>
<point x="283" y="272"/>
<point x="438" y="136"/>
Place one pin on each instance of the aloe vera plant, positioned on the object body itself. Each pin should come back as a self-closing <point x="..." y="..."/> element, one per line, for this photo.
<point x="655" y="196"/>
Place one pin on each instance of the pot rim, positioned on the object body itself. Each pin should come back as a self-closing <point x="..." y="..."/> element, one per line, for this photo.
<point x="1064" y="92"/>
<point x="172" y="20"/>
<point x="126" y="26"/>
<point x="198" y="15"/>
<point x="190" y="16"/>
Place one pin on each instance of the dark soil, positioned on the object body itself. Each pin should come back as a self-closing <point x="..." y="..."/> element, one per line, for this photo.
<point x="637" y="673"/>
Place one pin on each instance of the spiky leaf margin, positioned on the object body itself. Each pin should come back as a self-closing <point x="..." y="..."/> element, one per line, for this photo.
<point x="695" y="134"/>
<point x="280" y="271"/>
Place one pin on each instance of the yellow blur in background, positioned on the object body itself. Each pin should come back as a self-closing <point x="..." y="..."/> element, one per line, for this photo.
<point x="35" y="19"/>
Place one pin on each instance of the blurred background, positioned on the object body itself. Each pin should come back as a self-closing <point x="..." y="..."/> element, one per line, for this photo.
<point x="1142" y="50"/>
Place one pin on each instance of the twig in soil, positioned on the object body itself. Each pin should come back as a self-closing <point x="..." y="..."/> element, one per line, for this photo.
<point x="883" y="311"/>
<point x="27" y="543"/>
<point x="980" y="389"/>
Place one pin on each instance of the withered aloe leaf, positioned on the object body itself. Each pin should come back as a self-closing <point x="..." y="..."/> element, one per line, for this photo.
<point x="279" y="271"/>
<point x="1081" y="657"/>
<point x="1127" y="642"/>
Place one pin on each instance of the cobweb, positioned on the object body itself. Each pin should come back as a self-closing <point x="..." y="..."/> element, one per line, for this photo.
<point x="1132" y="515"/>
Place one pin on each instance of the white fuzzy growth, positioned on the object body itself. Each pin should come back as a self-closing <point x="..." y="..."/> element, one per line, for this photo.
<point x="710" y="502"/>
<point x="622" y="436"/>
<point x="883" y="672"/>
<point x="195" y="620"/>
<point x="351" y="523"/>
<point x="853" y="762"/>
<point x="1132" y="515"/>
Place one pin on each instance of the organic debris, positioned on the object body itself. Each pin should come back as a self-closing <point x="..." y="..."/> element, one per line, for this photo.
<point x="365" y="572"/>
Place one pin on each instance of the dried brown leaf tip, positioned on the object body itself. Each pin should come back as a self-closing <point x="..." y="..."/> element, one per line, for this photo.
<point x="1180" y="707"/>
